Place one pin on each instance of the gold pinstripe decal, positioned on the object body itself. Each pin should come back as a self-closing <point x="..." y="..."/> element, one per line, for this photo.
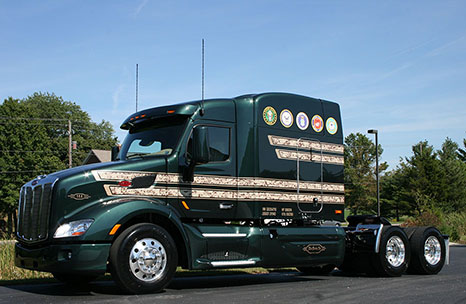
<point x="225" y="181"/>
<point x="241" y="195"/>
<point x="289" y="142"/>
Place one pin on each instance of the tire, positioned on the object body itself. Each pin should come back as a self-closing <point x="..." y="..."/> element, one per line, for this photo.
<point x="73" y="279"/>
<point x="317" y="270"/>
<point x="394" y="253"/>
<point x="143" y="259"/>
<point x="427" y="251"/>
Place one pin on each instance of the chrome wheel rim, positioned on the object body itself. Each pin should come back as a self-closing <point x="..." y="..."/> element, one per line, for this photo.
<point x="432" y="250"/>
<point x="148" y="260"/>
<point x="395" y="251"/>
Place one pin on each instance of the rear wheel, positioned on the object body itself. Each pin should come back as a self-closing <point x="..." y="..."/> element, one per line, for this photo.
<point x="428" y="251"/>
<point x="143" y="258"/>
<point x="394" y="253"/>
<point x="317" y="270"/>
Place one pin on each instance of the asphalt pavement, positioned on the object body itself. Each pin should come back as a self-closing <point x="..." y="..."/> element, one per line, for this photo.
<point x="449" y="286"/>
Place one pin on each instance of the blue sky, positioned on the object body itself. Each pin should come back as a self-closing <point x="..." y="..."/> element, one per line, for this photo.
<point x="397" y="66"/>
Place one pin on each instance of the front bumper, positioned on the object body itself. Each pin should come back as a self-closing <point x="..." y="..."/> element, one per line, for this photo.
<point x="69" y="258"/>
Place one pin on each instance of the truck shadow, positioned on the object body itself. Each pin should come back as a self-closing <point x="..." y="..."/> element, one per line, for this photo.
<point x="108" y="287"/>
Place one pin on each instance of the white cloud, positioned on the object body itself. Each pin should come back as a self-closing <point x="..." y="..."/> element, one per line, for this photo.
<point x="116" y="97"/>
<point x="140" y="7"/>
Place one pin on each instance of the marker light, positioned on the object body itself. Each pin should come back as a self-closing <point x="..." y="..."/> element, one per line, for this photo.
<point x="75" y="228"/>
<point x="124" y="183"/>
<point x="114" y="229"/>
<point x="338" y="211"/>
<point x="185" y="205"/>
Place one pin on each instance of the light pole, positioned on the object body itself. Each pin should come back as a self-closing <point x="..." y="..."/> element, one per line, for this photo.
<point x="372" y="131"/>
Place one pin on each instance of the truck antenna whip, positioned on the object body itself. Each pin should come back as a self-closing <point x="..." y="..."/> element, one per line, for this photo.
<point x="136" y="87"/>
<point x="202" y="101"/>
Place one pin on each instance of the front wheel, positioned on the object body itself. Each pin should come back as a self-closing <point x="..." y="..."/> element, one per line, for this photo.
<point x="394" y="253"/>
<point x="143" y="258"/>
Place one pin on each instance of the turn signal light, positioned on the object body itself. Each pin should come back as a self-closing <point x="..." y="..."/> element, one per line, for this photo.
<point x="338" y="211"/>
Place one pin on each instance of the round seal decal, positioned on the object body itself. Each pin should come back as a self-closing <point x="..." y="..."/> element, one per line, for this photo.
<point x="302" y="121"/>
<point x="270" y="115"/>
<point x="286" y="118"/>
<point x="317" y="123"/>
<point x="332" y="126"/>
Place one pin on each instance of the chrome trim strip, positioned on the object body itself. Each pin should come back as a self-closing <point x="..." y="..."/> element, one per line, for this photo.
<point x="232" y="263"/>
<point x="224" y="235"/>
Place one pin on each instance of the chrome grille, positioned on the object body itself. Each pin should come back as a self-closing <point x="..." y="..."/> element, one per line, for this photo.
<point x="34" y="211"/>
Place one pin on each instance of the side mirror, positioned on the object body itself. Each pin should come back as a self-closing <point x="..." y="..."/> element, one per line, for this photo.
<point x="115" y="151"/>
<point x="201" y="153"/>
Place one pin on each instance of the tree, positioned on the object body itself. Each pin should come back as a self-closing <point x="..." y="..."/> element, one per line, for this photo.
<point x="454" y="187"/>
<point x="360" y="183"/>
<point x="462" y="152"/>
<point x="428" y="180"/>
<point x="34" y="141"/>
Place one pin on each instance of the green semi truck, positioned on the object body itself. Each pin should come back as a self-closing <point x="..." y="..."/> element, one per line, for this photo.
<point x="252" y="181"/>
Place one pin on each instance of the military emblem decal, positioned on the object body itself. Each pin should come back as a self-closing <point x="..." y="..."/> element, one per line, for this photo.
<point x="302" y="121"/>
<point x="317" y="123"/>
<point x="79" y="196"/>
<point x="314" y="248"/>
<point x="332" y="126"/>
<point x="286" y="118"/>
<point x="270" y="115"/>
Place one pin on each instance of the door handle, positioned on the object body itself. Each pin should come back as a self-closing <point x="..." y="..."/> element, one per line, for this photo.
<point x="224" y="206"/>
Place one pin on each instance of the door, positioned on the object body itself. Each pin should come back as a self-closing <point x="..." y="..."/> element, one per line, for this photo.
<point x="213" y="192"/>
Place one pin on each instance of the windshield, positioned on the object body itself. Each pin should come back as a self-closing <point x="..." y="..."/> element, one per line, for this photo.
<point x="159" y="137"/>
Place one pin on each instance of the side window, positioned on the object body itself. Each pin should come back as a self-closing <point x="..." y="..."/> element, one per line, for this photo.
<point x="219" y="143"/>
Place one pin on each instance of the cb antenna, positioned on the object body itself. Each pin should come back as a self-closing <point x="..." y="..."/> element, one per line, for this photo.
<point x="136" y="87"/>
<point x="202" y="101"/>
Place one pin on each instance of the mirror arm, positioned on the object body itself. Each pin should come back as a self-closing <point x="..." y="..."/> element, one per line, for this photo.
<point x="188" y="172"/>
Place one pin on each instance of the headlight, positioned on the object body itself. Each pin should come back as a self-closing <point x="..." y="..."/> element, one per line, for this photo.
<point x="75" y="228"/>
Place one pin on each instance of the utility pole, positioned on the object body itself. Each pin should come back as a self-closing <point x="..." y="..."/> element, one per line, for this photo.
<point x="137" y="76"/>
<point x="70" y="160"/>
<point x="376" y="133"/>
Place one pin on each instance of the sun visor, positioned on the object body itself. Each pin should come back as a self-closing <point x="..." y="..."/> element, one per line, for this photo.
<point x="155" y="113"/>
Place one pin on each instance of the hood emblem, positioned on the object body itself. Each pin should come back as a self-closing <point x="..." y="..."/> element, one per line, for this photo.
<point x="314" y="248"/>
<point x="79" y="196"/>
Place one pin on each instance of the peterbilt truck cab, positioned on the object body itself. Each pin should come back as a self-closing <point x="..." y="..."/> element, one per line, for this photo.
<point x="251" y="181"/>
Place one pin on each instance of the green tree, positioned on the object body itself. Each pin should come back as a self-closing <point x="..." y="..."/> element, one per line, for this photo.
<point x="428" y="180"/>
<point x="360" y="182"/>
<point x="34" y="141"/>
<point x="454" y="187"/>
<point x="462" y="152"/>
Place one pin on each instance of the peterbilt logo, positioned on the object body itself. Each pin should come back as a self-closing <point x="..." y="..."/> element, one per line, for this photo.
<point x="314" y="248"/>
<point x="79" y="196"/>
